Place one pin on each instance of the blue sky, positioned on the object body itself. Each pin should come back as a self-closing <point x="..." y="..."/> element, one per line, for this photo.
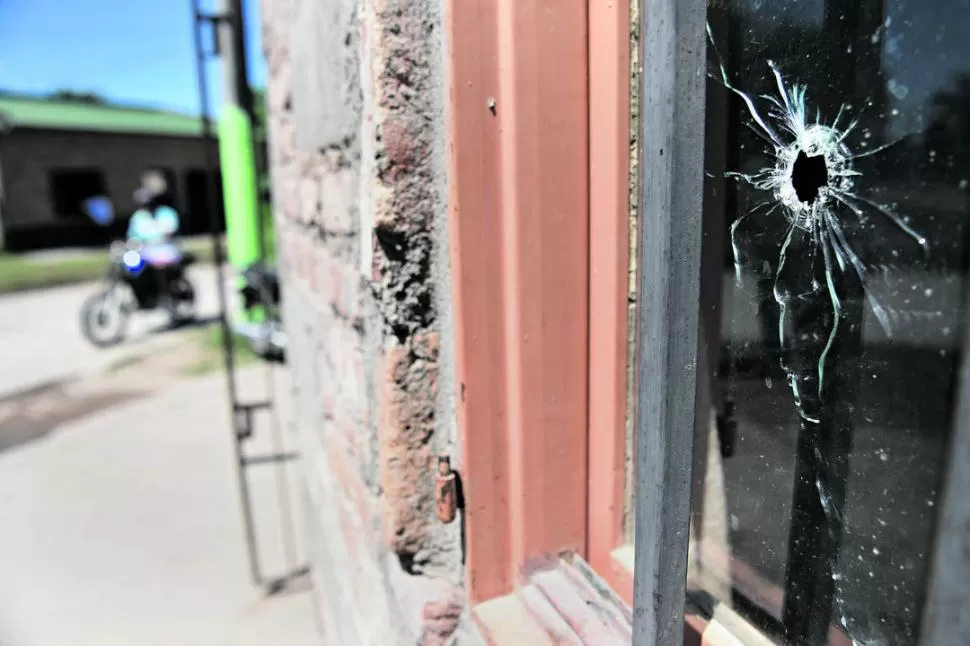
<point x="131" y="51"/>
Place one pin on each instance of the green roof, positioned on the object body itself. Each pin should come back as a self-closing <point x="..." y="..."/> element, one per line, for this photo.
<point x="24" y="112"/>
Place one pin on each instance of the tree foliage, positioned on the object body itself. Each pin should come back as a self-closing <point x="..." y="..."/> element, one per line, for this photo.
<point x="75" y="96"/>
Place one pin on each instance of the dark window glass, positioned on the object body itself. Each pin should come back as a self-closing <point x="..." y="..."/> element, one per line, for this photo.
<point x="69" y="188"/>
<point x="196" y="216"/>
<point x="836" y="220"/>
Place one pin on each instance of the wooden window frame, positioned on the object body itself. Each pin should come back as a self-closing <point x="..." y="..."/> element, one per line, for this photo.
<point x="538" y="225"/>
<point x="609" y="264"/>
<point x="491" y="285"/>
<point x="539" y="161"/>
<point x="518" y="236"/>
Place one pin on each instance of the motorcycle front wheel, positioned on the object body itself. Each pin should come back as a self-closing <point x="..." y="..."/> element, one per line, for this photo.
<point x="104" y="319"/>
<point x="181" y="301"/>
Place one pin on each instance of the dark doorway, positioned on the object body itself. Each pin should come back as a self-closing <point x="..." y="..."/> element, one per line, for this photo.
<point x="197" y="216"/>
<point x="69" y="188"/>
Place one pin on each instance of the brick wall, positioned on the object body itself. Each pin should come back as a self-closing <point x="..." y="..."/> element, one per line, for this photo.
<point x="358" y="167"/>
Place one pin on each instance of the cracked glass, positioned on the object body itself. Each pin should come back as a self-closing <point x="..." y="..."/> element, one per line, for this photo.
<point x="837" y="161"/>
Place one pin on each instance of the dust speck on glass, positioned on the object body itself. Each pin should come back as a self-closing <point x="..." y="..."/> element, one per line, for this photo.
<point x="837" y="215"/>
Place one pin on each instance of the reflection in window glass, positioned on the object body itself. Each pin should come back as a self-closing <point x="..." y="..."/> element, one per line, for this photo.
<point x="836" y="220"/>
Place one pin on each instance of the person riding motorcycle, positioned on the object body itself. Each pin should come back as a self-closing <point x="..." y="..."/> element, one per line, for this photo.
<point x="154" y="225"/>
<point x="155" y="221"/>
<point x="147" y="271"/>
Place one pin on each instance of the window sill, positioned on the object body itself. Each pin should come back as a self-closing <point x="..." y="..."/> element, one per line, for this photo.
<point x="623" y="557"/>
<point x="561" y="605"/>
<point x="765" y="594"/>
<point x="724" y="628"/>
<point x="568" y="604"/>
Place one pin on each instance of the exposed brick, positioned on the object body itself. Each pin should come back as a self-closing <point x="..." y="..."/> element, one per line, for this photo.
<point x="346" y="471"/>
<point x="339" y="282"/>
<point x="321" y="272"/>
<point x="345" y="356"/>
<point x="321" y="269"/>
<point x="399" y="149"/>
<point x="408" y="399"/>
<point x="286" y="197"/>
<point x="306" y="260"/>
<point x="364" y="354"/>
<point x="309" y="200"/>
<point x="337" y="195"/>
<point x="407" y="199"/>
<point x="441" y="620"/>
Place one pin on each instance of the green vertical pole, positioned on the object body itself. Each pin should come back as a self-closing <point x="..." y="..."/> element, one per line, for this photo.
<point x="237" y="159"/>
<point x="239" y="186"/>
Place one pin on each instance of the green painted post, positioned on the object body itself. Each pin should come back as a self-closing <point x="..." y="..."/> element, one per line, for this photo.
<point x="239" y="186"/>
<point x="236" y="155"/>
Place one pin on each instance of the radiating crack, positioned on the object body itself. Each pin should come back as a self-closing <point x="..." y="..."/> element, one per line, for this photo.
<point x="814" y="184"/>
<point x="813" y="181"/>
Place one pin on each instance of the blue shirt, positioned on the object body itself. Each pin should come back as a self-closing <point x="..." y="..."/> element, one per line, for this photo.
<point x="153" y="228"/>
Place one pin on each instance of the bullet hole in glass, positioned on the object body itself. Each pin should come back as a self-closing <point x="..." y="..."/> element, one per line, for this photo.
<point x="808" y="175"/>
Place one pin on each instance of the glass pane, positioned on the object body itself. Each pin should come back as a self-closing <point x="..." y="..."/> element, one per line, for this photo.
<point x="837" y="169"/>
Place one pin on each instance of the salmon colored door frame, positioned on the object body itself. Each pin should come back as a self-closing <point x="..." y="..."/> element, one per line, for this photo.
<point x="609" y="262"/>
<point x="518" y="229"/>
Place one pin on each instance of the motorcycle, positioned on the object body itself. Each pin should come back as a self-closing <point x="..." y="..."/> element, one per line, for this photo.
<point x="139" y="278"/>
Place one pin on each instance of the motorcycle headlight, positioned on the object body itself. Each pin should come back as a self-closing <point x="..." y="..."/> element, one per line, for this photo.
<point x="132" y="260"/>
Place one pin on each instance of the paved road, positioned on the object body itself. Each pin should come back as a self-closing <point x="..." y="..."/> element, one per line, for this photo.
<point x="123" y="528"/>
<point x="119" y="513"/>
<point x="40" y="340"/>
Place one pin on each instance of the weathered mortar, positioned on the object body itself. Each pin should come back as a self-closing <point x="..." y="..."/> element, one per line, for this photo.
<point x="633" y="275"/>
<point x="367" y="346"/>
<point x="409" y="198"/>
<point x="408" y="195"/>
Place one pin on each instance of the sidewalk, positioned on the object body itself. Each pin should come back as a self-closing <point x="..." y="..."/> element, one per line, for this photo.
<point x="123" y="528"/>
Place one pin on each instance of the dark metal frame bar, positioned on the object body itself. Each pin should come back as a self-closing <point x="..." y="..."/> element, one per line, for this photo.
<point x="671" y="154"/>
<point x="945" y="616"/>
<point x="672" y="41"/>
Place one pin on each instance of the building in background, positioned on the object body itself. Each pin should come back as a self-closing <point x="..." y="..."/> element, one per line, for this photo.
<point x="56" y="153"/>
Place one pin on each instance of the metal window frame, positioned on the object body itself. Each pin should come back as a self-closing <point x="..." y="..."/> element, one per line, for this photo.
<point x="945" y="619"/>
<point x="672" y="103"/>
<point x="672" y="109"/>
